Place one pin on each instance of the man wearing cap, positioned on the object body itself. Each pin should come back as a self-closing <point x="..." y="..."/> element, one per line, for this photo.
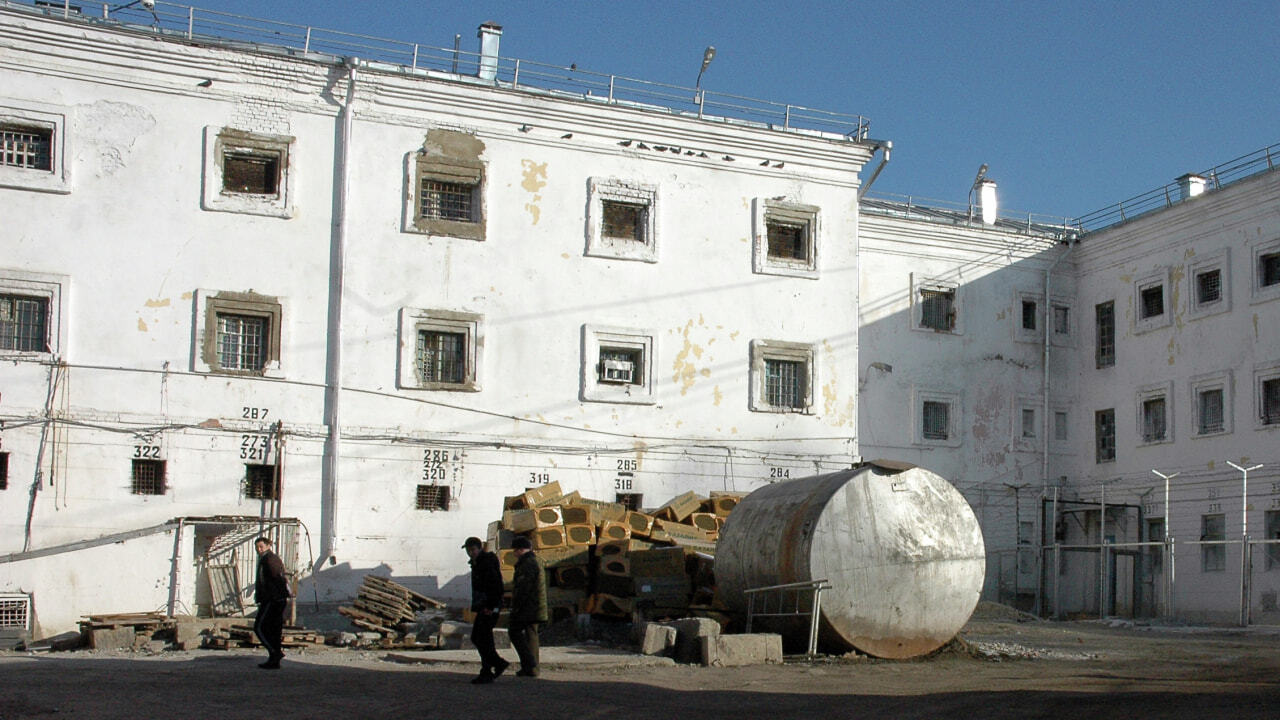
<point x="528" y="605"/>
<point x="486" y="601"/>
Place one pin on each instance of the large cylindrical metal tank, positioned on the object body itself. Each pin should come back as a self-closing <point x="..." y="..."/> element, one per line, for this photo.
<point x="899" y="546"/>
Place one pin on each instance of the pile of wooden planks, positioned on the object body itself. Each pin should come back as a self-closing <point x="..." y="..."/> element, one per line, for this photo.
<point x="381" y="605"/>
<point x="243" y="636"/>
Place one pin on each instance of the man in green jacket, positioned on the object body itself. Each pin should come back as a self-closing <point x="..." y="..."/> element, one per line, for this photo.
<point x="528" y="605"/>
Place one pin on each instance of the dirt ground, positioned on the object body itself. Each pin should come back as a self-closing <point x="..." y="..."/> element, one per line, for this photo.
<point x="1002" y="668"/>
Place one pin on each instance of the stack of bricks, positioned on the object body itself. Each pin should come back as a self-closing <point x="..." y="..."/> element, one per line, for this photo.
<point x="604" y="559"/>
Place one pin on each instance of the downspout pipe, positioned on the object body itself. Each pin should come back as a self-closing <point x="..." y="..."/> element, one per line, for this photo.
<point x="885" y="147"/>
<point x="1048" y="333"/>
<point x="333" y="351"/>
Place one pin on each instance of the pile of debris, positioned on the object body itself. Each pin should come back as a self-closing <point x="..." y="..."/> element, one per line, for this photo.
<point x="243" y="636"/>
<point x="123" y="630"/>
<point x="381" y="605"/>
<point x="607" y="560"/>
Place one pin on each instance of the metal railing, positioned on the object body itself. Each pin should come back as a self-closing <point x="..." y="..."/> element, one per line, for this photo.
<point x="797" y="592"/>
<point x="1169" y="195"/>
<point x="212" y="27"/>
<point x="955" y="213"/>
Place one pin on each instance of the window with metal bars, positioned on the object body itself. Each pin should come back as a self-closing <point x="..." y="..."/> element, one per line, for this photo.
<point x="432" y="497"/>
<point x="1208" y="287"/>
<point x="251" y="173"/>
<point x="15" y="612"/>
<point x="441" y="200"/>
<point x="630" y="501"/>
<point x="24" y="323"/>
<point x="1210" y="411"/>
<point x="1213" y="558"/>
<point x="442" y="357"/>
<point x="1104" y="428"/>
<point x="784" y="383"/>
<point x="26" y="146"/>
<point x="1270" y="410"/>
<point x="622" y="365"/>
<point x="937" y="309"/>
<point x="787" y="240"/>
<point x="623" y="220"/>
<point x="1029" y="315"/>
<point x="1105" y="321"/>
<point x="1269" y="269"/>
<point x="1152" y="301"/>
<point x="148" y="477"/>
<point x="242" y="342"/>
<point x="260" y="482"/>
<point x="4" y="471"/>
<point x="1153" y="419"/>
<point x="935" y="420"/>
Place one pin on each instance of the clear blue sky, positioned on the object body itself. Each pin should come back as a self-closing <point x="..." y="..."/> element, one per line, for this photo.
<point x="1074" y="105"/>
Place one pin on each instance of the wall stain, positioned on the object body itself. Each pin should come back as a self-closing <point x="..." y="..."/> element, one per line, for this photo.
<point x="161" y="302"/>
<point x="684" y="371"/>
<point x="535" y="178"/>
<point x="831" y="410"/>
<point x="716" y="395"/>
<point x="142" y="326"/>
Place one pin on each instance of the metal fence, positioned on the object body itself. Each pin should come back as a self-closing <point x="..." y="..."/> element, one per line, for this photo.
<point x="198" y="25"/>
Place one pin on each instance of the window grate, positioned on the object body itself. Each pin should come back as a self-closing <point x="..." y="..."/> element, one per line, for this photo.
<point x="1106" y="325"/>
<point x="1211" y="415"/>
<point x="1269" y="269"/>
<point x="260" y="482"/>
<point x="26" y="147"/>
<point x="4" y="471"/>
<point x="446" y="201"/>
<point x="1153" y="419"/>
<point x="1105" y="434"/>
<point x="624" y="221"/>
<point x="432" y="497"/>
<point x="242" y="341"/>
<point x="441" y="356"/>
<point x="1152" y="301"/>
<point x="251" y="173"/>
<point x="15" y="612"/>
<point x="936" y="420"/>
<point x="148" y="477"/>
<point x="1028" y="314"/>
<point x="24" y="323"/>
<point x="788" y="241"/>
<point x="1208" y="287"/>
<point x="784" y="383"/>
<point x="1270" y="401"/>
<point x="937" y="309"/>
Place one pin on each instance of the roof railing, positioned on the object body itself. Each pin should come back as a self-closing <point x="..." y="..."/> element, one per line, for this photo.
<point x="956" y="213"/>
<point x="227" y="29"/>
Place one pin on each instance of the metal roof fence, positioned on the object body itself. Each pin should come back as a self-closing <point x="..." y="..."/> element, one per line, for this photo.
<point x="953" y="213"/>
<point x="211" y="27"/>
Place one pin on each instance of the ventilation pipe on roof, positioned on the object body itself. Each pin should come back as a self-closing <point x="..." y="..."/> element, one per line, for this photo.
<point x="490" y="33"/>
<point x="1190" y="185"/>
<point x="987" y="200"/>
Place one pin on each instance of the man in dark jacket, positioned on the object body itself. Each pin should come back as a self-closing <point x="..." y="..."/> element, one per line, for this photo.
<point x="271" y="592"/>
<point x="486" y="602"/>
<point x="528" y="605"/>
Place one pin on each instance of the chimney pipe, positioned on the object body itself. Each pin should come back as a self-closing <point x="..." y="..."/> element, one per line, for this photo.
<point x="1190" y="186"/>
<point x="987" y="200"/>
<point x="490" y="33"/>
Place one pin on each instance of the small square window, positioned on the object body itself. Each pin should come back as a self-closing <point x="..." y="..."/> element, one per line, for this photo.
<point x="440" y="350"/>
<point x="786" y="238"/>
<point x="261" y="482"/>
<point x="1211" y="403"/>
<point x="935" y="420"/>
<point x="1269" y="406"/>
<point x="1151" y="298"/>
<point x="1213" y="558"/>
<point x="1104" y="425"/>
<point x="238" y="333"/>
<point x="248" y="172"/>
<point x="1269" y="269"/>
<point x="1105" y="325"/>
<point x="1061" y="320"/>
<point x="1153" y="420"/>
<point x="148" y="477"/>
<point x="1210" y="406"/>
<point x="26" y="146"/>
<point x="622" y="220"/>
<point x="630" y="501"/>
<point x="1209" y="286"/>
<point x="242" y="342"/>
<point x="624" y="366"/>
<point x="432" y="497"/>
<point x="937" y="309"/>
<point x="1029" y="315"/>
<point x="4" y="471"/>
<point x="445" y="186"/>
<point x="1154" y="411"/>
<point x="783" y="376"/>
<point x="1152" y="301"/>
<point x="438" y="200"/>
<point x="1028" y="423"/>
<point x="617" y="365"/>
<point x="24" y="323"/>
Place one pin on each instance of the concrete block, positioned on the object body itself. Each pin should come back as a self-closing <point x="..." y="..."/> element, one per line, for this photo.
<point x="658" y="639"/>
<point x="738" y="650"/>
<point x="120" y="638"/>
<point x="689" y="637"/>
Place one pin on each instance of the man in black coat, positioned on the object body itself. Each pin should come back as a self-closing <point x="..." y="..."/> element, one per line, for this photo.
<point x="528" y="606"/>
<point x="271" y="592"/>
<point x="486" y="602"/>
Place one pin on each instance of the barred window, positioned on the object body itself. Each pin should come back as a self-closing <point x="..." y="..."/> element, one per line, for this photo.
<point x="1208" y="286"/>
<point x="1029" y="315"/>
<point x="25" y="146"/>
<point x="242" y="342"/>
<point x="784" y="383"/>
<point x="148" y="477"/>
<point x="260" y="482"/>
<point x="1153" y="419"/>
<point x="251" y="173"/>
<point x="1105" y="314"/>
<point x="1104" y="424"/>
<point x="24" y="323"/>
<point x="624" y="221"/>
<point x="432" y="497"/>
<point x="440" y="200"/>
<point x="1269" y="269"/>
<point x="787" y="240"/>
<point x="936" y="421"/>
<point x="1152" y="301"/>
<point x="937" y="309"/>
<point x="1270" y="410"/>
<point x="4" y="471"/>
<point x="1210" y="411"/>
<point x="441" y="356"/>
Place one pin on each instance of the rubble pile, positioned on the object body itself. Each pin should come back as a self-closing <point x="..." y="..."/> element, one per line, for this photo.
<point x="381" y="605"/>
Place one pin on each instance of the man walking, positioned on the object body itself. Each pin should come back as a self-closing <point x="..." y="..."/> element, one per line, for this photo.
<point x="271" y="592"/>
<point x="486" y="602"/>
<point x="528" y="605"/>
